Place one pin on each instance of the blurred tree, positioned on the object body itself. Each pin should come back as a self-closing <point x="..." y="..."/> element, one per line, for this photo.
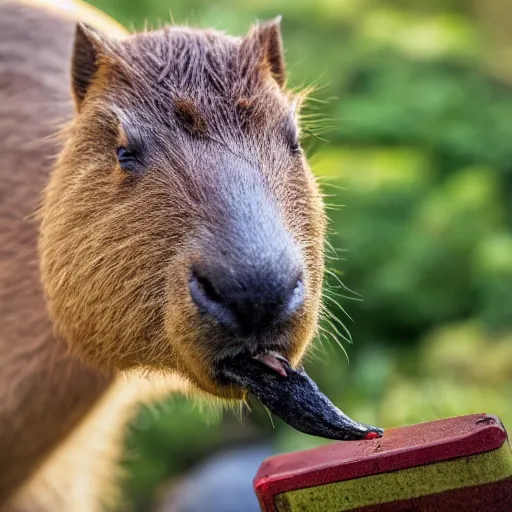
<point x="495" y="20"/>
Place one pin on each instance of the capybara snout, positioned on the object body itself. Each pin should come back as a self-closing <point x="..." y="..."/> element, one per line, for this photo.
<point x="249" y="275"/>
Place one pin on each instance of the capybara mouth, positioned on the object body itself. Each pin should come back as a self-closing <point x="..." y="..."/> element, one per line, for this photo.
<point x="293" y="396"/>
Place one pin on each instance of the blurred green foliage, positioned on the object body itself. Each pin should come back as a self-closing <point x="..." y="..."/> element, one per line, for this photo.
<point x="420" y="154"/>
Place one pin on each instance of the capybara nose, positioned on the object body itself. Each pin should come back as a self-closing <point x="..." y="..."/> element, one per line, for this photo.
<point x="246" y="301"/>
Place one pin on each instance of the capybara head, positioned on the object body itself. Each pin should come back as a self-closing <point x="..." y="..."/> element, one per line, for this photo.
<point x="182" y="224"/>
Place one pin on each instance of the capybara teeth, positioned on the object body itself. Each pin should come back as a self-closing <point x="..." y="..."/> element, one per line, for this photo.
<point x="294" y="397"/>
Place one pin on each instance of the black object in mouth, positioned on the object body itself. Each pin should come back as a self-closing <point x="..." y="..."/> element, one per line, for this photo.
<point x="294" y="397"/>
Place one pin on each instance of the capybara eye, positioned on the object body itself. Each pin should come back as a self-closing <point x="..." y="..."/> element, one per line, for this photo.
<point x="295" y="147"/>
<point x="127" y="160"/>
<point x="292" y="137"/>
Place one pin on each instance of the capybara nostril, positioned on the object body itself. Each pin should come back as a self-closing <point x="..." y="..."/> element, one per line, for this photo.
<point x="246" y="301"/>
<point x="207" y="299"/>
<point x="296" y="297"/>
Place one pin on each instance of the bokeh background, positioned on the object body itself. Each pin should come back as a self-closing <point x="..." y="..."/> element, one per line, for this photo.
<point x="410" y="133"/>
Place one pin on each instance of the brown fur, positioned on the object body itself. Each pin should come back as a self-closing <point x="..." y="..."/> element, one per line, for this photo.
<point x="215" y="121"/>
<point x="43" y="392"/>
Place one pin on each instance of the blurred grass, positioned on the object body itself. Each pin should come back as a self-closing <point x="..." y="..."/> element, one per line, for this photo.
<point x="420" y="154"/>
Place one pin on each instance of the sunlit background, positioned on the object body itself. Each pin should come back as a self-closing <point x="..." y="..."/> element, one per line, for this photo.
<point x="410" y="132"/>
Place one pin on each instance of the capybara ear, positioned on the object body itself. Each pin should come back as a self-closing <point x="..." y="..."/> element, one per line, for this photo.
<point x="89" y="45"/>
<point x="270" y="35"/>
<point x="267" y="41"/>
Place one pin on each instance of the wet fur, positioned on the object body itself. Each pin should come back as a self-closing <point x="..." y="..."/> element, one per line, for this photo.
<point x="115" y="247"/>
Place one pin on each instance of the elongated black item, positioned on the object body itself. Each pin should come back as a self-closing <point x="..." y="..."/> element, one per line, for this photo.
<point x="295" y="398"/>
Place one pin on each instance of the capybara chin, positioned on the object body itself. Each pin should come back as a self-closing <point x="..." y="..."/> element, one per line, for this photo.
<point x="157" y="213"/>
<point x="181" y="223"/>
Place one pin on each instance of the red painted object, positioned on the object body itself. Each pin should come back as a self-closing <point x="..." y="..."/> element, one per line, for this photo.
<point x="399" y="449"/>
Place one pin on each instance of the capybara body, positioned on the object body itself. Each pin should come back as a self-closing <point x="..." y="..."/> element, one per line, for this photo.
<point x="44" y="392"/>
<point x="157" y="214"/>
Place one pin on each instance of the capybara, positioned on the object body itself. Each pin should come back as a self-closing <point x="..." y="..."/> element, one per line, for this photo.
<point x="157" y="215"/>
